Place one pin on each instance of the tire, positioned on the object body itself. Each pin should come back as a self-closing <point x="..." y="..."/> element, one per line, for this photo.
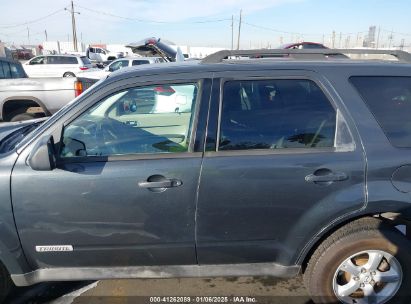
<point x="69" y="74"/>
<point x="22" y="116"/>
<point x="6" y="284"/>
<point x="357" y="242"/>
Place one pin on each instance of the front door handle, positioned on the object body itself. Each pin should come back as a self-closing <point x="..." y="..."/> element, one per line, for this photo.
<point x="326" y="176"/>
<point x="166" y="183"/>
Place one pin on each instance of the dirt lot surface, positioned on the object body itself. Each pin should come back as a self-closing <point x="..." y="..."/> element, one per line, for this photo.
<point x="262" y="290"/>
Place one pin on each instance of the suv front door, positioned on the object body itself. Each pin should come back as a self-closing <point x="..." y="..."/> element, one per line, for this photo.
<point x="285" y="166"/>
<point x="124" y="191"/>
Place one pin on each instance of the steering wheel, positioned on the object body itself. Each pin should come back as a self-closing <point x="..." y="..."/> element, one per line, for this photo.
<point x="85" y="131"/>
<point x="108" y="135"/>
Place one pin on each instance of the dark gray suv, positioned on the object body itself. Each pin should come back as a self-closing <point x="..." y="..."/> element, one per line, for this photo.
<point x="298" y="163"/>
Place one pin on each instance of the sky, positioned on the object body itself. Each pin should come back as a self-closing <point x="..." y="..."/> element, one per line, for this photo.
<point x="265" y="23"/>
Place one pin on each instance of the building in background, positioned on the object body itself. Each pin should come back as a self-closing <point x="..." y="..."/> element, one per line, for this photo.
<point x="370" y="40"/>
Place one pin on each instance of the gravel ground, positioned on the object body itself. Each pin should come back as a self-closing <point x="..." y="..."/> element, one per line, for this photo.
<point x="263" y="290"/>
<point x="237" y="290"/>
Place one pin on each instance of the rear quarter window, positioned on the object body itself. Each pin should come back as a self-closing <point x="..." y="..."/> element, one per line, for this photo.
<point x="85" y="60"/>
<point x="389" y="100"/>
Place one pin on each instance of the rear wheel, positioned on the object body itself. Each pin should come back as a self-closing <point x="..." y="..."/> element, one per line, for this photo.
<point x="365" y="261"/>
<point x="22" y="116"/>
<point x="69" y="74"/>
<point x="18" y="116"/>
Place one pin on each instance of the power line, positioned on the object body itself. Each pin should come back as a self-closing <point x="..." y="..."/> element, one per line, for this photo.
<point x="150" y="21"/>
<point x="32" y="21"/>
<point x="397" y="33"/>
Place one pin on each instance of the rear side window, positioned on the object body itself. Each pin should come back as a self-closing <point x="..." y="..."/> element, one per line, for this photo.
<point x="275" y="114"/>
<point x="68" y="60"/>
<point x="61" y="60"/>
<point x="389" y="99"/>
<point x="139" y="62"/>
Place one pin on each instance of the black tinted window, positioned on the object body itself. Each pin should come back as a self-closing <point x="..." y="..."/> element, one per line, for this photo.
<point x="61" y="60"/>
<point x="138" y="62"/>
<point x="272" y="114"/>
<point x="389" y="99"/>
<point x="2" y="75"/>
<point x="6" y="70"/>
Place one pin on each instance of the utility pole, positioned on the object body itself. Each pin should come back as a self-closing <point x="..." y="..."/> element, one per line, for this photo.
<point x="347" y="42"/>
<point x="333" y="40"/>
<point x="45" y="33"/>
<point x="402" y="44"/>
<point x="73" y="25"/>
<point x="28" y="35"/>
<point x="239" y="30"/>
<point x="232" y="32"/>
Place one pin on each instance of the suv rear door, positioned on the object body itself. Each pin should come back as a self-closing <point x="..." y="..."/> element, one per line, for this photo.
<point x="285" y="166"/>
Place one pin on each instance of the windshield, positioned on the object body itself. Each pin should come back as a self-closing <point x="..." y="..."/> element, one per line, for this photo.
<point x="12" y="140"/>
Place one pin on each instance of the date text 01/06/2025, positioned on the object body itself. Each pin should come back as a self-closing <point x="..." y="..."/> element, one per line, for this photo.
<point x="202" y="299"/>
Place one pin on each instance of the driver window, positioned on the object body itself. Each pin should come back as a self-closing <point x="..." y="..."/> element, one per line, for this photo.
<point x="37" y="60"/>
<point x="151" y="119"/>
<point x="118" y="65"/>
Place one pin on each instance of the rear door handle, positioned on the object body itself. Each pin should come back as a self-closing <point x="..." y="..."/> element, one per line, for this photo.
<point x="167" y="183"/>
<point x="326" y="176"/>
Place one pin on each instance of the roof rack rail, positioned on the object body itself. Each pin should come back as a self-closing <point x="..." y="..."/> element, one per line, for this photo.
<point x="217" y="57"/>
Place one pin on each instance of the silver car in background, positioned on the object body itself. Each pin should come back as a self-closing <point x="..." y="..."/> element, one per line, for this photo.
<point x="119" y="64"/>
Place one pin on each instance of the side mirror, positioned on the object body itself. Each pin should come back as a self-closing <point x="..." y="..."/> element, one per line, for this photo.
<point x="42" y="157"/>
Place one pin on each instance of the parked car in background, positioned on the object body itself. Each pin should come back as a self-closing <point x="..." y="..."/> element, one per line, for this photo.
<point x="57" y="65"/>
<point x="99" y="54"/>
<point x="221" y="167"/>
<point x="303" y="45"/>
<point x="23" y="98"/>
<point x="119" y="64"/>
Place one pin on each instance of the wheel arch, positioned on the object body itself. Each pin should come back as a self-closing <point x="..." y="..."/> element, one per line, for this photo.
<point x="14" y="262"/>
<point x="391" y="216"/>
<point x="14" y="103"/>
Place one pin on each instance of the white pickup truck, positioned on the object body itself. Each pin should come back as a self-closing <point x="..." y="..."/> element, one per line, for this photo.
<point x="23" y="98"/>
